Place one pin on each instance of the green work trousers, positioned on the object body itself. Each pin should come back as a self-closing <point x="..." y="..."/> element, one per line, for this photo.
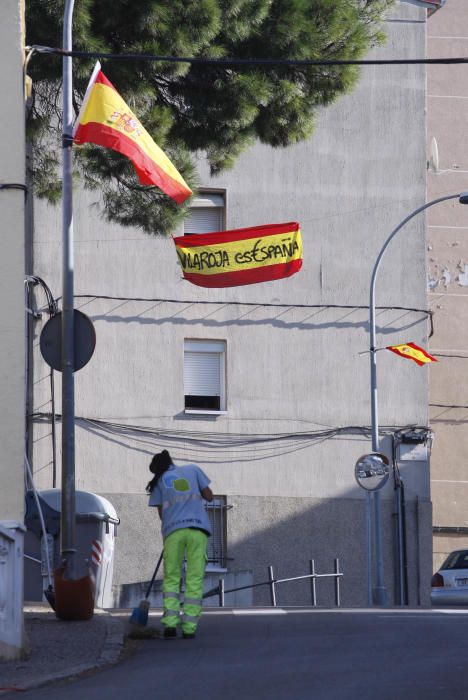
<point x="190" y="544"/>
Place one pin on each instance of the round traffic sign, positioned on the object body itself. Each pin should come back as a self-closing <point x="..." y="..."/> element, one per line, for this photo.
<point x="51" y="341"/>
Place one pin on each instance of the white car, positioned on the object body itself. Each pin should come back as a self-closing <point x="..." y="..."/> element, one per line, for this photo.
<point x="449" y="585"/>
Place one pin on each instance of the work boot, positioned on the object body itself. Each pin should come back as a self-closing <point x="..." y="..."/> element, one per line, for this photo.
<point x="170" y="632"/>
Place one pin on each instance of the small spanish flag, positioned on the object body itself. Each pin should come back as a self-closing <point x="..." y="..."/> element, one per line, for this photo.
<point x="241" y="256"/>
<point x="412" y="352"/>
<point x="106" y="120"/>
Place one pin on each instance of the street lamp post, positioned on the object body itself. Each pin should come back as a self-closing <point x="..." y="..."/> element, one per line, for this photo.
<point x="380" y="592"/>
<point x="68" y="527"/>
<point x="74" y="586"/>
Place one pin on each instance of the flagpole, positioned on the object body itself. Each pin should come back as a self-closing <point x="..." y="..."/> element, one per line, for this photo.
<point x="68" y="525"/>
<point x="380" y="592"/>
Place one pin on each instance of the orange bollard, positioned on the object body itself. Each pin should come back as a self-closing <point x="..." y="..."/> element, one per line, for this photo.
<point x="74" y="599"/>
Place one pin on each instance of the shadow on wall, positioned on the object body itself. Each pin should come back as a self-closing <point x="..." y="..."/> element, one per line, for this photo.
<point x="324" y="530"/>
<point x="270" y="531"/>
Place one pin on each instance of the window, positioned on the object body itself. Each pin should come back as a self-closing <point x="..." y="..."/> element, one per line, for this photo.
<point x="206" y="214"/>
<point x="456" y="560"/>
<point x="216" y="510"/>
<point x="205" y="376"/>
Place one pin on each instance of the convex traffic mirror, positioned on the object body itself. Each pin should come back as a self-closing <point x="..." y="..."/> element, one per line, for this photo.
<point x="371" y="471"/>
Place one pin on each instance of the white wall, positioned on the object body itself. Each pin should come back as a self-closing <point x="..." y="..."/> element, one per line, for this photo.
<point x="12" y="347"/>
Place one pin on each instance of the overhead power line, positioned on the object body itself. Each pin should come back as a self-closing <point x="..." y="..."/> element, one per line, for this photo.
<point x="283" y="305"/>
<point x="257" y="304"/>
<point x="223" y="440"/>
<point x="447" y="405"/>
<point x="458" y="357"/>
<point x="247" y="61"/>
<point x="13" y="186"/>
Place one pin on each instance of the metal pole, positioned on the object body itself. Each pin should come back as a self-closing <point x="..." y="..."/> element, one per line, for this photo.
<point x="380" y="590"/>
<point x="221" y="593"/>
<point x="68" y="526"/>
<point x="418" y="567"/>
<point x="401" y="590"/>
<point x="313" y="589"/>
<point x="54" y="443"/>
<point x="272" y="586"/>
<point x="337" y="583"/>
<point x="369" y="546"/>
<point x="405" y="548"/>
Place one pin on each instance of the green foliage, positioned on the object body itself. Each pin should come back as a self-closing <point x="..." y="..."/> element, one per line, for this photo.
<point x="216" y="109"/>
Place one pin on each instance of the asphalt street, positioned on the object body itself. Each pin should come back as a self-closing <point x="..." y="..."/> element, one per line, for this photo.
<point x="292" y="654"/>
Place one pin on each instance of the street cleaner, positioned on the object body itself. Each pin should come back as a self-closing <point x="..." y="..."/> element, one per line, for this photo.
<point x="178" y="494"/>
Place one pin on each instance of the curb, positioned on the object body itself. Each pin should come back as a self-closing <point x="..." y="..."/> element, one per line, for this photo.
<point x="114" y="642"/>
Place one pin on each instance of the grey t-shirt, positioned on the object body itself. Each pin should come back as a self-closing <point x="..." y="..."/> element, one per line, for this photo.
<point x="178" y="492"/>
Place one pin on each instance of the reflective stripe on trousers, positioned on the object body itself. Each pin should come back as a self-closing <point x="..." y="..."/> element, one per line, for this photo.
<point x="191" y="544"/>
<point x="171" y="603"/>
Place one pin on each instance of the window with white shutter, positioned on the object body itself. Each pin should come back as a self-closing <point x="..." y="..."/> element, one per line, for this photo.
<point x="205" y="375"/>
<point x="206" y="213"/>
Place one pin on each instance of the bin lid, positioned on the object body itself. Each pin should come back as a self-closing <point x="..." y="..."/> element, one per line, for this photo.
<point x="32" y="520"/>
<point x="85" y="502"/>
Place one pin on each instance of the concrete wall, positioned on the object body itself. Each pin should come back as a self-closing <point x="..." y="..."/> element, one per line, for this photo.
<point x="11" y="590"/>
<point x="12" y="324"/>
<point x="293" y="362"/>
<point x="448" y="286"/>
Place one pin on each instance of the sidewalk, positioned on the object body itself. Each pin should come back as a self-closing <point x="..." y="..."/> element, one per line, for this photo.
<point x="56" y="650"/>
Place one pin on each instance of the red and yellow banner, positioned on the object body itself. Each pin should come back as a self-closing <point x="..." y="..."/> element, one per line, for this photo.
<point x="241" y="256"/>
<point x="412" y="352"/>
<point x="106" y="120"/>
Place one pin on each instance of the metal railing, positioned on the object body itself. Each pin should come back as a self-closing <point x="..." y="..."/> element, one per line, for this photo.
<point x="272" y="582"/>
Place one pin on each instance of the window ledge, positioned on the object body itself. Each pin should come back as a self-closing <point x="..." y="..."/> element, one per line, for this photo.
<point x="204" y="411"/>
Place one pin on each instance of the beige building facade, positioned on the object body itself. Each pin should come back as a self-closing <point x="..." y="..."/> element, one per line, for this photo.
<point x="447" y="138"/>
<point x="292" y="370"/>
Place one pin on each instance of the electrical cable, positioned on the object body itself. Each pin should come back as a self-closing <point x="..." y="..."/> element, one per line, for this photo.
<point x="224" y="440"/>
<point x="52" y="308"/>
<point x="245" y="61"/>
<point x="41" y="518"/>
<point x="14" y="186"/>
<point x="52" y="304"/>
<point x="429" y="313"/>
<point x="447" y="405"/>
<point x="458" y="357"/>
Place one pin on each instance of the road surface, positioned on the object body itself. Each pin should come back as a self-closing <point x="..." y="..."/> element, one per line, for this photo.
<point x="292" y="654"/>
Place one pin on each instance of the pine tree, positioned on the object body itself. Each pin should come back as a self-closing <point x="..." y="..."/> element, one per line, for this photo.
<point x="216" y="109"/>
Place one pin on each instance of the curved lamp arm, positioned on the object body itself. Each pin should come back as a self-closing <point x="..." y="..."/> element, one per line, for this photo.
<point x="463" y="199"/>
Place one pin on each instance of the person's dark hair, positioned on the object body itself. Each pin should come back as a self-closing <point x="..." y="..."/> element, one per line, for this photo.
<point x="159" y="464"/>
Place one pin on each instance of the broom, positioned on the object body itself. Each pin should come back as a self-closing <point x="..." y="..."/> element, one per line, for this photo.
<point x="137" y="628"/>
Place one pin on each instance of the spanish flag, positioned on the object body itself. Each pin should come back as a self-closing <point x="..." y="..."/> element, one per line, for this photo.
<point x="412" y="352"/>
<point x="106" y="120"/>
<point x="241" y="256"/>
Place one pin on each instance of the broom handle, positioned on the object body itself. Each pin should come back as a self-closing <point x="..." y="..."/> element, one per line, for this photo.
<point x="154" y="574"/>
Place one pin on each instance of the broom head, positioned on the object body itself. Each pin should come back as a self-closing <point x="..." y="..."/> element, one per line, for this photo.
<point x="139" y="615"/>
